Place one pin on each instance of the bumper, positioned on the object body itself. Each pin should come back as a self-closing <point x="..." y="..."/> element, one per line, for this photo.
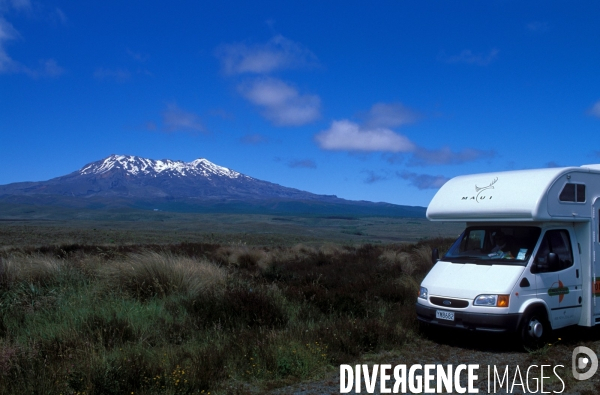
<point x="471" y="321"/>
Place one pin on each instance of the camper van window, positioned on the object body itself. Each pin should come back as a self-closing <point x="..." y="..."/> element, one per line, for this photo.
<point x="573" y="193"/>
<point x="580" y="193"/>
<point x="510" y="245"/>
<point x="568" y="193"/>
<point x="558" y="242"/>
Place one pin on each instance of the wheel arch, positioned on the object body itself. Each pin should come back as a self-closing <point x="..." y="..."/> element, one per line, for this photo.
<point x="534" y="304"/>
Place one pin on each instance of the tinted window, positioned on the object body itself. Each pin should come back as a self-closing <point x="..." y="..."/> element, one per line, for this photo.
<point x="573" y="193"/>
<point x="558" y="242"/>
<point x="568" y="193"/>
<point x="580" y="193"/>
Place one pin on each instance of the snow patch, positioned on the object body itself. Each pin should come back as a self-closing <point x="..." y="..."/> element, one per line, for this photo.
<point x="136" y="165"/>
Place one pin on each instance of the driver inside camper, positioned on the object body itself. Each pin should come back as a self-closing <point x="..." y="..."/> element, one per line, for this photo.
<point x="501" y="248"/>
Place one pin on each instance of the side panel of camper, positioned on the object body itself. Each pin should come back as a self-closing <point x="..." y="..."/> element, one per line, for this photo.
<point x="584" y="250"/>
<point x="595" y="260"/>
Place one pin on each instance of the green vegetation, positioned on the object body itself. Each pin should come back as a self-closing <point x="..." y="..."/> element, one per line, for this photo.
<point x="41" y="226"/>
<point x="192" y="317"/>
<point x="154" y="302"/>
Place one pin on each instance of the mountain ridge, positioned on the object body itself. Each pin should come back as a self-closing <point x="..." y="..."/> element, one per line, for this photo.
<point x="174" y="185"/>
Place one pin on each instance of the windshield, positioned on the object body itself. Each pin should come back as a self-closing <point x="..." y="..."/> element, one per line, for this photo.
<point x="510" y="245"/>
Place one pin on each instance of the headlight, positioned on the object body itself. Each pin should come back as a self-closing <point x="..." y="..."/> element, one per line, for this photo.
<point x="491" y="300"/>
<point x="423" y="293"/>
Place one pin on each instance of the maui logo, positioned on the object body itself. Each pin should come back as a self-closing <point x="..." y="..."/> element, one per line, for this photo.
<point x="480" y="192"/>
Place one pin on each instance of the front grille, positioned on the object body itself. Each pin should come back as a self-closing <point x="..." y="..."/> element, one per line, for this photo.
<point x="454" y="303"/>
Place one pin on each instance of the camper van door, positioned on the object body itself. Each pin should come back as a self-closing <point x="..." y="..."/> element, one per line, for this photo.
<point x="559" y="282"/>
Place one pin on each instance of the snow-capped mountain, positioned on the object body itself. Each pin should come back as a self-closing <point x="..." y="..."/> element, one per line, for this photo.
<point x="134" y="165"/>
<point x="135" y="177"/>
<point x="199" y="185"/>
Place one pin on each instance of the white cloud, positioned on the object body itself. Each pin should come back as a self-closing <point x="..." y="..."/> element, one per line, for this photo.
<point x="48" y="67"/>
<point x="58" y="17"/>
<point x="137" y="56"/>
<point x="254" y="139"/>
<point x="302" y="163"/>
<point x="373" y="177"/>
<point x="349" y="136"/>
<point x="18" y="5"/>
<point x="7" y="33"/>
<point x="175" y="119"/>
<point x="276" y="54"/>
<point x="595" y="110"/>
<point x="384" y="115"/>
<point x="468" y="57"/>
<point x="424" y="181"/>
<point x="281" y="103"/>
<point x="119" y="75"/>
<point x="445" y="156"/>
<point x="376" y="135"/>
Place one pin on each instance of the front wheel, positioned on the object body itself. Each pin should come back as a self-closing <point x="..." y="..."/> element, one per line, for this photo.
<point x="534" y="329"/>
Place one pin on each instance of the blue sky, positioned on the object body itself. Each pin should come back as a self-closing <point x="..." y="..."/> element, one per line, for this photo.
<point x="379" y="101"/>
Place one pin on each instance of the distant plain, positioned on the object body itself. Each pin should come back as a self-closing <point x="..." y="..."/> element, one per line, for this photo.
<point x="28" y="225"/>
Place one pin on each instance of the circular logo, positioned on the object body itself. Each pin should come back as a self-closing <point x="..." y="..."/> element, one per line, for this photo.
<point x="580" y="363"/>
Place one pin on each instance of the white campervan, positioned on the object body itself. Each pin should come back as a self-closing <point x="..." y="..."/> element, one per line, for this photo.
<point x="528" y="259"/>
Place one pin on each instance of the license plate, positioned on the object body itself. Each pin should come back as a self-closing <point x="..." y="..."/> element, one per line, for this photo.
<point x="444" y="315"/>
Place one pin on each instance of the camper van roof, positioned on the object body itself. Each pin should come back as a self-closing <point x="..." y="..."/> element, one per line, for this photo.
<point x="520" y="195"/>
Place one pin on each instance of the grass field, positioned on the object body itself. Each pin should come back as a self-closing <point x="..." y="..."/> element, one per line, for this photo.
<point x="193" y="317"/>
<point x="201" y="303"/>
<point x="131" y="227"/>
<point x="225" y="304"/>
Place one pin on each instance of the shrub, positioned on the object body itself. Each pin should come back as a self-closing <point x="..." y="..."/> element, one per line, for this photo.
<point x="407" y="264"/>
<point x="34" y="269"/>
<point x="110" y="331"/>
<point x="301" y="249"/>
<point x="237" y="307"/>
<point x="148" y="274"/>
<point x="240" y="255"/>
<point x="421" y="258"/>
<point x="330" y="249"/>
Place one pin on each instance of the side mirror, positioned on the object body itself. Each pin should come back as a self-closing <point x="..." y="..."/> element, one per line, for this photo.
<point x="435" y="256"/>
<point x="550" y="264"/>
<point x="553" y="262"/>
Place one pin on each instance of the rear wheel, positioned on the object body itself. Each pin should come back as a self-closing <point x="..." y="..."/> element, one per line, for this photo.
<point x="535" y="329"/>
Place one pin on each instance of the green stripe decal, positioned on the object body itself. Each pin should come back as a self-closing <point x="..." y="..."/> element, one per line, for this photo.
<point x="558" y="291"/>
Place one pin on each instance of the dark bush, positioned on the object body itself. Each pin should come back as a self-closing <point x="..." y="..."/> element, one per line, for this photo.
<point x="235" y="308"/>
<point x="109" y="331"/>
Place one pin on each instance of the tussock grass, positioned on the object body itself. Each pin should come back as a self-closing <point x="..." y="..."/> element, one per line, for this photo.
<point x="330" y="249"/>
<point x="35" y="269"/>
<point x="148" y="274"/>
<point x="421" y="258"/>
<point x="188" y="318"/>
